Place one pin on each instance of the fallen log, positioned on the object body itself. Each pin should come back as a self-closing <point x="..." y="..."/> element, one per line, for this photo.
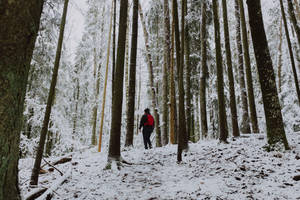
<point x="63" y="160"/>
<point x="49" y="193"/>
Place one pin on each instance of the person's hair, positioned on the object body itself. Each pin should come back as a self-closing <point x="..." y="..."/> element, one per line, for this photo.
<point x="147" y="111"/>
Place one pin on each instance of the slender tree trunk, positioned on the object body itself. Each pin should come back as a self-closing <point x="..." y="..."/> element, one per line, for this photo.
<point x="275" y="127"/>
<point x="115" y="133"/>
<point x="204" y="72"/>
<point x="280" y="57"/>
<point x="179" y="61"/>
<point x="167" y="65"/>
<point x="139" y="102"/>
<point x="39" y="154"/>
<point x="189" y="97"/>
<point x="297" y="8"/>
<point x="294" y="20"/>
<point x="253" y="115"/>
<point x="127" y="62"/>
<point x="75" y="115"/>
<point x="234" y="118"/>
<point x="114" y="46"/>
<point x="151" y="78"/>
<point x="245" y="125"/>
<point x="220" y="79"/>
<point x="290" y="51"/>
<point x="172" y="91"/>
<point x="132" y="75"/>
<point x="105" y="83"/>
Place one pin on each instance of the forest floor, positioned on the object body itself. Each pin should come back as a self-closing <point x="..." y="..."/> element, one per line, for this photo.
<point x="239" y="170"/>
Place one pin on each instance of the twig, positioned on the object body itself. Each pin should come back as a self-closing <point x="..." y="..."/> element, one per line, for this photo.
<point x="53" y="167"/>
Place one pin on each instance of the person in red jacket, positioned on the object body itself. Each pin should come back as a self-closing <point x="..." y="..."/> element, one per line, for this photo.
<point x="147" y="122"/>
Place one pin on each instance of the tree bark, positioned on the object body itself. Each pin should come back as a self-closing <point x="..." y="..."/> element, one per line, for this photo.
<point x="19" y="21"/>
<point x="234" y="118"/>
<point x="204" y="72"/>
<point x="151" y="79"/>
<point x="290" y="51"/>
<point x="132" y="75"/>
<point x="173" y="114"/>
<point x="115" y="132"/>
<point x="245" y="125"/>
<point x="294" y="20"/>
<point x="275" y="128"/>
<point x="114" y="47"/>
<point x="220" y="79"/>
<point x="179" y="61"/>
<point x="279" y="64"/>
<point x="167" y="56"/>
<point x="253" y="115"/>
<point x="189" y="109"/>
<point x="39" y="154"/>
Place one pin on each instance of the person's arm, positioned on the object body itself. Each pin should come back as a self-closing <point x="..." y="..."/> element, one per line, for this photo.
<point x="143" y="120"/>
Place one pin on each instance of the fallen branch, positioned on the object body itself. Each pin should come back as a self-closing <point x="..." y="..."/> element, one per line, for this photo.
<point x="35" y="193"/>
<point x="61" y="160"/>
<point x="49" y="193"/>
<point x="53" y="167"/>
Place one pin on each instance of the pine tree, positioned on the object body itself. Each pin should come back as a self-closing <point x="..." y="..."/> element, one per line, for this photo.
<point x="39" y="154"/>
<point x="245" y="125"/>
<point x="204" y="71"/>
<point x="234" y="119"/>
<point x="275" y="128"/>
<point x="253" y="115"/>
<point x="220" y="79"/>
<point x="132" y="76"/>
<point x="167" y="65"/>
<point x="19" y="22"/>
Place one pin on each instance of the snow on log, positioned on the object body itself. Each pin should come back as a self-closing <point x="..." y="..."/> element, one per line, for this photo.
<point x="49" y="193"/>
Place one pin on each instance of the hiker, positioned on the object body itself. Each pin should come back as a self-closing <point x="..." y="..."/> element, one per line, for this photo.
<point x="147" y="122"/>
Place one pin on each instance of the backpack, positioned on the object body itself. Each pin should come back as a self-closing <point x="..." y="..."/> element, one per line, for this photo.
<point x="150" y="120"/>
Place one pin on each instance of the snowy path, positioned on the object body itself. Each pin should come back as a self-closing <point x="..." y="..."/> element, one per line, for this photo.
<point x="240" y="170"/>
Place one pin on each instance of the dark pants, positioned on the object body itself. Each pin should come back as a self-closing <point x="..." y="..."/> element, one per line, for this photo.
<point x="146" y="136"/>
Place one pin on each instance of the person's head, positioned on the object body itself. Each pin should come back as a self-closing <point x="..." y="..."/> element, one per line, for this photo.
<point x="147" y="111"/>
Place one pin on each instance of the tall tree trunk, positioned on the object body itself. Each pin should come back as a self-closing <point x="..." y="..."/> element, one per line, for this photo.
<point x="127" y="62"/>
<point x="173" y="126"/>
<point x="105" y="82"/>
<point x="290" y="51"/>
<point x="180" y="65"/>
<point x="75" y="115"/>
<point x="167" y="65"/>
<point x="189" y="109"/>
<point x="115" y="132"/>
<point x="204" y="72"/>
<point x="294" y="20"/>
<point x="220" y="79"/>
<point x="245" y="125"/>
<point x="279" y="64"/>
<point x="132" y="75"/>
<point x="114" y="47"/>
<point x="234" y="118"/>
<point x="39" y="154"/>
<point x="275" y="127"/>
<point x="253" y="115"/>
<point x="297" y="8"/>
<point x="151" y="79"/>
<point x="19" y="21"/>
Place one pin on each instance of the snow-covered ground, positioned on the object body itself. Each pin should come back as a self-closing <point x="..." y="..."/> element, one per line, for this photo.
<point x="239" y="170"/>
